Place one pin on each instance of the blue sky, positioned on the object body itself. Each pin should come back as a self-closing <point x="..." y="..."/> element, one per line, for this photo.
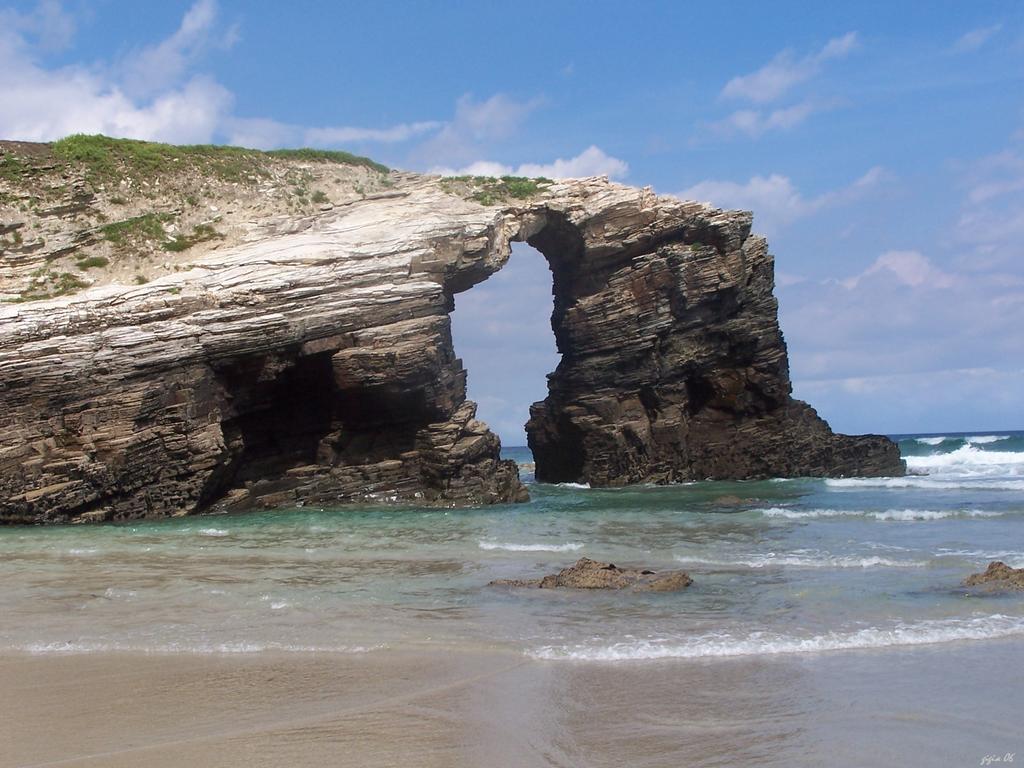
<point x="880" y="146"/>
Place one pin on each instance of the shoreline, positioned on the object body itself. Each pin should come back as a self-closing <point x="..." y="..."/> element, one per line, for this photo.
<point x="925" y="705"/>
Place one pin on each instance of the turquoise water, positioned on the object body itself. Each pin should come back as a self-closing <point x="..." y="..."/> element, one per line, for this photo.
<point x="779" y="567"/>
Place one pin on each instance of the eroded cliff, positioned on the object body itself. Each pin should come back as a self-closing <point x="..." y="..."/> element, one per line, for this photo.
<point x="309" y="358"/>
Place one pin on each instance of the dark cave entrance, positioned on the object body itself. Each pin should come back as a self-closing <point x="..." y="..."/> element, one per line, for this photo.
<point x="284" y="410"/>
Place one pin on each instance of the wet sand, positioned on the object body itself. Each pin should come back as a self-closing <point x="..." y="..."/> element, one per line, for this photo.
<point x="949" y="705"/>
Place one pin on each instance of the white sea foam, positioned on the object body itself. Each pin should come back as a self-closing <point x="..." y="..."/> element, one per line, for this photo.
<point x="912" y="515"/>
<point x="582" y="486"/>
<point x="968" y="459"/>
<point x="113" y="593"/>
<point x="925" y="632"/>
<point x="216" y="532"/>
<point x="889" y="515"/>
<point x="931" y="440"/>
<point x="1012" y="559"/>
<point x="985" y="439"/>
<point x="803" y="514"/>
<point x="512" y="547"/>
<point x="82" y="551"/>
<point x="925" y="482"/>
<point x="801" y="559"/>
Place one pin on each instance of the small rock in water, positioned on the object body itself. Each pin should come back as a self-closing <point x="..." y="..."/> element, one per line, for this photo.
<point x="997" y="577"/>
<point x="591" y="574"/>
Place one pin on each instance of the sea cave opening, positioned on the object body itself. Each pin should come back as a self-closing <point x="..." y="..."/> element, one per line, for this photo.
<point x="502" y="330"/>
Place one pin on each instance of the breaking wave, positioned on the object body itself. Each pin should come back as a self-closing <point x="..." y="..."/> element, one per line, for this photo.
<point x="510" y="547"/>
<point x="889" y="515"/>
<point x="801" y="560"/>
<point x="926" y="482"/>
<point x="927" y="632"/>
<point x="967" y="459"/>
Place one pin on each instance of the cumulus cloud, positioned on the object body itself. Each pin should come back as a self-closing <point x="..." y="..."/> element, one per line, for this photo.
<point x="757" y="122"/>
<point x="975" y="39"/>
<point x="905" y="313"/>
<point x="786" y="70"/>
<point x="40" y="104"/>
<point x="592" y="161"/>
<point x="154" y="68"/>
<point x="153" y="92"/>
<point x="474" y="126"/>
<point x="774" y="199"/>
<point x="909" y="268"/>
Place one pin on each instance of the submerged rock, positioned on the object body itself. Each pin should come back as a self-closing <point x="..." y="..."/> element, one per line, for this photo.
<point x="997" y="577"/>
<point x="591" y="574"/>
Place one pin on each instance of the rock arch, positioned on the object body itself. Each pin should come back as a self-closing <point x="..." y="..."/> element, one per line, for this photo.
<point x="316" y="366"/>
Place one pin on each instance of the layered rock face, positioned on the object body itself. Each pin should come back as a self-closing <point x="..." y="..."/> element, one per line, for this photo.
<point x="673" y="365"/>
<point x="314" y="363"/>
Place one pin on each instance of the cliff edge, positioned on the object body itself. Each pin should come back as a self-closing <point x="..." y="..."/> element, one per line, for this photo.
<point x="213" y="330"/>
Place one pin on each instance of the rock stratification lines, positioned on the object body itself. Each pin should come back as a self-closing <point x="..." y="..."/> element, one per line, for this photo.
<point x="314" y="363"/>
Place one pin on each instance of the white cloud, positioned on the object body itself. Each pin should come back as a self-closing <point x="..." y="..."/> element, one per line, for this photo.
<point x="260" y="133"/>
<point x="263" y="133"/>
<point x="786" y="70"/>
<point x="50" y="27"/>
<point x="157" y="67"/>
<point x="150" y="94"/>
<point x="975" y="39"/>
<point x="592" y="161"/>
<point x="39" y="104"/>
<point x="755" y="122"/>
<point x="390" y="135"/>
<point x="474" y="125"/>
<point x="774" y="199"/>
<point x="909" y="268"/>
<point x="991" y="220"/>
<point x="953" y="399"/>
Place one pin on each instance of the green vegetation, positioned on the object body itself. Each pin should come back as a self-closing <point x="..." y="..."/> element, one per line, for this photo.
<point x="319" y="197"/>
<point x="141" y="279"/>
<point x="328" y="156"/>
<point x="49" y="285"/>
<point x="149" y="226"/>
<point x="106" y="160"/>
<point x="88" y="262"/>
<point x="488" y="190"/>
<point x="12" y="168"/>
<point x="200" y="234"/>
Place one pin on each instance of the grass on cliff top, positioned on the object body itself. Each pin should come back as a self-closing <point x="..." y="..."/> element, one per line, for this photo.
<point x="105" y="159"/>
<point x="488" y="190"/>
<point x="149" y="226"/>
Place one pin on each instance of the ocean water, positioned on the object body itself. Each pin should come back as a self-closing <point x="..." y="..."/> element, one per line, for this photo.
<point x="786" y="567"/>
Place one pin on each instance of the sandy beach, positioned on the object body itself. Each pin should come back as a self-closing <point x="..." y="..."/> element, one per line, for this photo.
<point x="949" y="706"/>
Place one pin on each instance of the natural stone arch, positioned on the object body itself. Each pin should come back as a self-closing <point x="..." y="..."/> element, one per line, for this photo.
<point x="673" y="367"/>
<point x="315" y="365"/>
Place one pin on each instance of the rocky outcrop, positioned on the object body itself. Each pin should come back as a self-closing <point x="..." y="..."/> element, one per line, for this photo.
<point x="591" y="574"/>
<point x="312" y="362"/>
<point x="673" y="364"/>
<point x="998" y="577"/>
